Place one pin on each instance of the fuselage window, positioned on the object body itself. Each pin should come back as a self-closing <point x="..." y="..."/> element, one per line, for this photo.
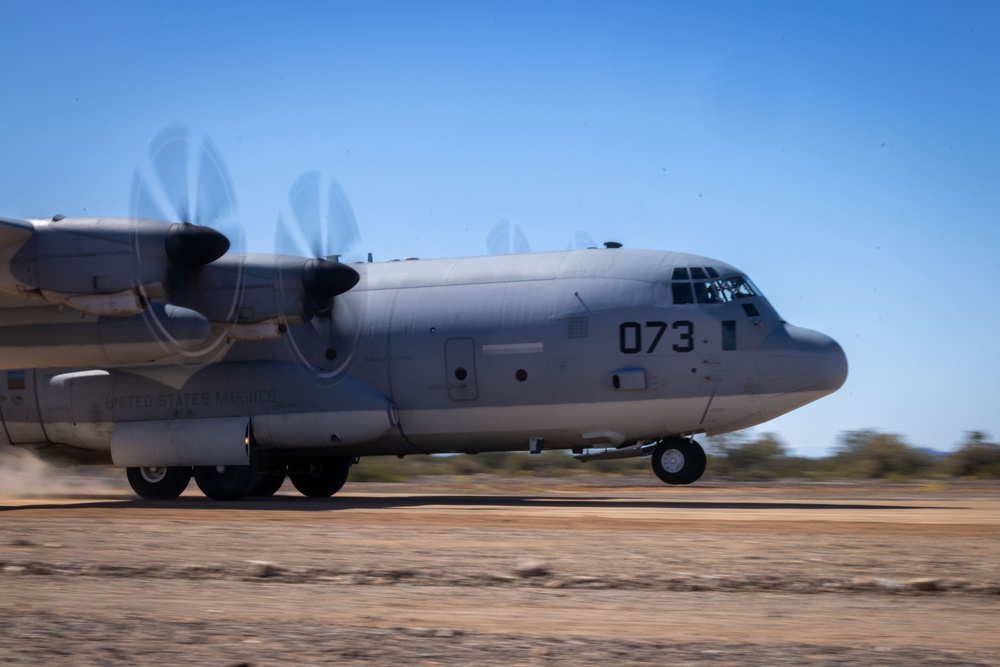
<point x="729" y="335"/>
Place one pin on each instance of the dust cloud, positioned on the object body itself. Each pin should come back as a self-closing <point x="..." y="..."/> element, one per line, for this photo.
<point x="24" y="475"/>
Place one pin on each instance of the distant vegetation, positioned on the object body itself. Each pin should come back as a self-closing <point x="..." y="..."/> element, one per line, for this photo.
<point x="863" y="454"/>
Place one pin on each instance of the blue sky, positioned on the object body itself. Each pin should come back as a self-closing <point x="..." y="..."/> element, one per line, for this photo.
<point x="846" y="155"/>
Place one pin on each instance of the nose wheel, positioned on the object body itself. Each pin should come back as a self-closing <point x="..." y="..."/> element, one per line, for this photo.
<point x="679" y="461"/>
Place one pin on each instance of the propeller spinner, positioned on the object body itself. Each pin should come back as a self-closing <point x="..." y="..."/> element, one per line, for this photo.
<point x="194" y="245"/>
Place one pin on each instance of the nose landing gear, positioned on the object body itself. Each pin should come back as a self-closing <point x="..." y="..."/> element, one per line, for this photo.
<point x="679" y="461"/>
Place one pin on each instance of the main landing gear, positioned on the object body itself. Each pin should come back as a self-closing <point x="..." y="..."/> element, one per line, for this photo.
<point x="158" y="482"/>
<point x="267" y="484"/>
<point x="225" y="482"/>
<point x="313" y="479"/>
<point x="322" y="479"/>
<point x="679" y="461"/>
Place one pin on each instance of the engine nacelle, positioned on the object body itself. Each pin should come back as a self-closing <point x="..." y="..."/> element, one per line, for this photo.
<point x="241" y="290"/>
<point x="106" y="266"/>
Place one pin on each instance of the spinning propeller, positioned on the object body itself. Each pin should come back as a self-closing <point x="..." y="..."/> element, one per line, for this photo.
<point x="506" y="238"/>
<point x="183" y="179"/>
<point x="323" y="233"/>
<point x="318" y="222"/>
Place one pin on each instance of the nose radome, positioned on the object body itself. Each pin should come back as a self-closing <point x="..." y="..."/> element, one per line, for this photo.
<point x="797" y="360"/>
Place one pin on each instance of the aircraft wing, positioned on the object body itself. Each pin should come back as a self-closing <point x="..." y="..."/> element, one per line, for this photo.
<point x="12" y="231"/>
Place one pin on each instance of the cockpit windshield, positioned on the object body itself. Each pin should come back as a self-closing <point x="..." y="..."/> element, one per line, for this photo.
<point x="704" y="285"/>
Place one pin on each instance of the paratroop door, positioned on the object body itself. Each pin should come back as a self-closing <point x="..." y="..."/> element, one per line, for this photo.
<point x="19" y="407"/>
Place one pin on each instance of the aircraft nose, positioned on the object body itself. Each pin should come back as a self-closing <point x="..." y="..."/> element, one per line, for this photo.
<point x="797" y="366"/>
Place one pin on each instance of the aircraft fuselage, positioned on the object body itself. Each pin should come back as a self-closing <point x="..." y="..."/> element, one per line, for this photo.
<point x="575" y="350"/>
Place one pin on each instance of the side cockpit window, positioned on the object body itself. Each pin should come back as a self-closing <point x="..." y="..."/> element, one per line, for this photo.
<point x="736" y="288"/>
<point x="704" y="285"/>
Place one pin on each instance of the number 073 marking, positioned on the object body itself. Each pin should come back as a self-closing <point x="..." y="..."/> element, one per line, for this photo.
<point x="630" y="336"/>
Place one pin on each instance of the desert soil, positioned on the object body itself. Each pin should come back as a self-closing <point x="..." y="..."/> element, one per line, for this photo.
<point x="487" y="572"/>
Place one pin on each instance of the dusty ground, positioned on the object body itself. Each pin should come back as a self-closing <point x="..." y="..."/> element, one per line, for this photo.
<point x="498" y="573"/>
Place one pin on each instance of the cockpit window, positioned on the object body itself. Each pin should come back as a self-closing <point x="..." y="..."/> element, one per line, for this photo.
<point x="706" y="286"/>
<point x="682" y="292"/>
<point x="706" y="293"/>
<point x="735" y="288"/>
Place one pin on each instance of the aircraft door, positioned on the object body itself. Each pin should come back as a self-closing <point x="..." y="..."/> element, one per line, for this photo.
<point x="19" y="408"/>
<point x="460" y="359"/>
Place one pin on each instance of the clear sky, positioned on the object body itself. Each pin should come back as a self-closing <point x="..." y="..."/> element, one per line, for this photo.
<point x="846" y="155"/>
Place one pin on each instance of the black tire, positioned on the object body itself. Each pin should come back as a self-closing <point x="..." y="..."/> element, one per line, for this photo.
<point x="267" y="484"/>
<point x="679" y="461"/>
<point x="224" y="482"/>
<point x="323" y="478"/>
<point x="158" y="482"/>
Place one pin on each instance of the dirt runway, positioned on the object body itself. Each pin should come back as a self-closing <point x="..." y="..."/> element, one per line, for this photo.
<point x="534" y="572"/>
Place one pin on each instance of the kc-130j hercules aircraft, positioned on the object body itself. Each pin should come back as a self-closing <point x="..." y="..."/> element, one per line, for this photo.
<point x="149" y="345"/>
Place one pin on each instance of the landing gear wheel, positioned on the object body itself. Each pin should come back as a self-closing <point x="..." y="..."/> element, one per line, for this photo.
<point x="323" y="478"/>
<point x="224" y="482"/>
<point x="267" y="484"/>
<point x="158" y="482"/>
<point x="679" y="461"/>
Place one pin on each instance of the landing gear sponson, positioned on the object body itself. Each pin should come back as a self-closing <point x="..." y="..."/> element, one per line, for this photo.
<point x="315" y="479"/>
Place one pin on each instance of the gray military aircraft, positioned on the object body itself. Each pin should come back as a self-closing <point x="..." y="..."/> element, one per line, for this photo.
<point x="149" y="345"/>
